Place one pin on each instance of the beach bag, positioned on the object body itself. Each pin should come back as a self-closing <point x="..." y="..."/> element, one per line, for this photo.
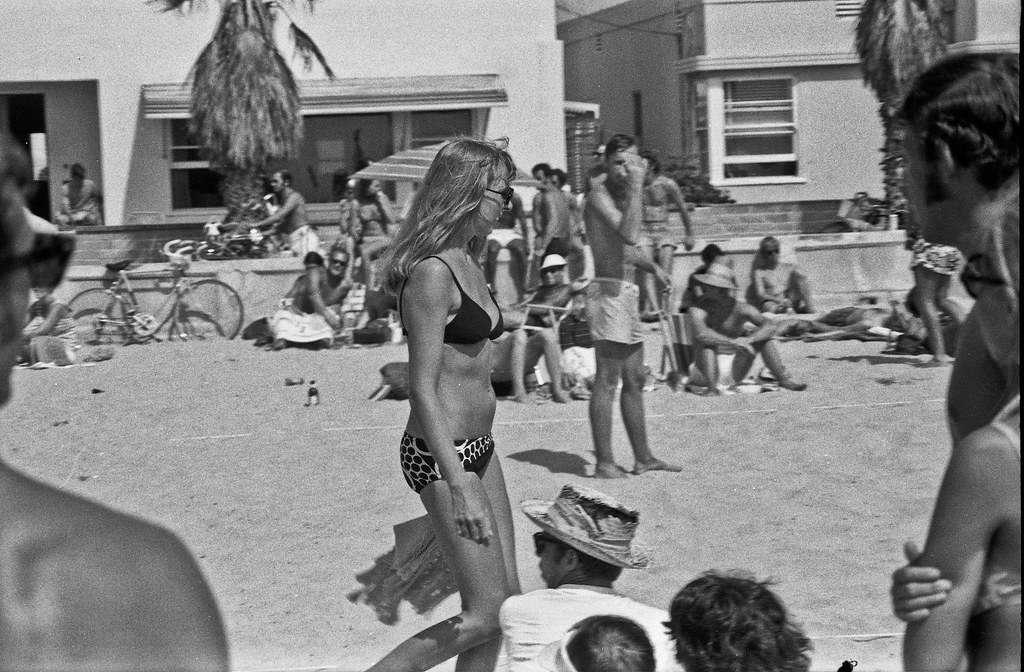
<point x="49" y="350"/>
<point x="374" y="333"/>
<point x="258" y="331"/>
<point x="579" y="366"/>
<point x="394" y="382"/>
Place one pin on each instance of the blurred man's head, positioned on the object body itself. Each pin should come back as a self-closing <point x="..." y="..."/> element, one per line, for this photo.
<point x="769" y="250"/>
<point x="711" y="253"/>
<point x="337" y="261"/>
<point x="606" y="643"/>
<point x="279" y="180"/>
<point x="963" y="118"/>
<point x="552" y="271"/>
<point x="616" y="157"/>
<point x="541" y="172"/>
<point x="653" y="164"/>
<point x="557" y="178"/>
<point x="725" y="622"/>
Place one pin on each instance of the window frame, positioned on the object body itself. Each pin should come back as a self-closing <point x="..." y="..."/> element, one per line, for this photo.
<point x="402" y="138"/>
<point x="193" y="164"/>
<point x="718" y="133"/>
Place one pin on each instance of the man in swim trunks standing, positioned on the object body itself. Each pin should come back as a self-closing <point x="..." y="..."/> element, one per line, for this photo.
<point x="655" y="237"/>
<point x="612" y="216"/>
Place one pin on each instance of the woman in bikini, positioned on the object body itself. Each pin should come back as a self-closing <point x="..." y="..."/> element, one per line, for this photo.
<point x="447" y="453"/>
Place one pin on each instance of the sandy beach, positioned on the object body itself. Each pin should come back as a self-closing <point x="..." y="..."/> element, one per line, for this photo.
<point x="284" y="504"/>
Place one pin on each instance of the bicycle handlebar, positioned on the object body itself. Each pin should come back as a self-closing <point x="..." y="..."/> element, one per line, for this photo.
<point x="179" y="252"/>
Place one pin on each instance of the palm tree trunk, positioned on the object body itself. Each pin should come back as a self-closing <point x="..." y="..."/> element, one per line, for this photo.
<point x="242" y="190"/>
<point x="893" y="165"/>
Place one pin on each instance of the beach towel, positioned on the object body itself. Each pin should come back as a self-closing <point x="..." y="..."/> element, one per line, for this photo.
<point x="288" y="325"/>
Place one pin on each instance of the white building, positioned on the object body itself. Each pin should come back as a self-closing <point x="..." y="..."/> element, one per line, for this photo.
<point x="767" y="95"/>
<point x="101" y="83"/>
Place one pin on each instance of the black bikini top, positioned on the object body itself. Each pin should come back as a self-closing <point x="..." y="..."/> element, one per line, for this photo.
<point x="471" y="323"/>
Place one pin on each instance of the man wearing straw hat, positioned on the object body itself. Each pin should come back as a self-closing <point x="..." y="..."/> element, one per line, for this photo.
<point x="584" y="543"/>
<point x="720" y="325"/>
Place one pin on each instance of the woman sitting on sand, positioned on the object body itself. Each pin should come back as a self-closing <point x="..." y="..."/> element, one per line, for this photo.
<point x="306" y="315"/>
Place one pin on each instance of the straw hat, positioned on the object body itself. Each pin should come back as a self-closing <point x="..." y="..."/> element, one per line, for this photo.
<point x="590" y="522"/>
<point x="717" y="275"/>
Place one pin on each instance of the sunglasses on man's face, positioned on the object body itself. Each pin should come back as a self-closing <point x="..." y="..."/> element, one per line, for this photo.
<point x="541" y="540"/>
<point x="975" y="280"/>
<point x="46" y="262"/>
<point x="506" y="196"/>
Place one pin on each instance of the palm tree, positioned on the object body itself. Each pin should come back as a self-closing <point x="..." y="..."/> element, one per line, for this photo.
<point x="896" y="40"/>
<point x="245" y="100"/>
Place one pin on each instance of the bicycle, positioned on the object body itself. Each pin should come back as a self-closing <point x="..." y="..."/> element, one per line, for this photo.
<point x="200" y="309"/>
<point x="252" y="244"/>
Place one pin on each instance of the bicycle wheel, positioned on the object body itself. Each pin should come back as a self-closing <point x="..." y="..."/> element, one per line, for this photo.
<point x="100" y="317"/>
<point x="210" y="309"/>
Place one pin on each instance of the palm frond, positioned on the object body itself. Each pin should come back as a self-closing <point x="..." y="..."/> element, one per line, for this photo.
<point x="896" y="40"/>
<point x="245" y="101"/>
<point x="307" y="50"/>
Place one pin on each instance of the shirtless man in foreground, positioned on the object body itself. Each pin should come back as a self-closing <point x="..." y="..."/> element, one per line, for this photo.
<point x="612" y="216"/>
<point x="83" y="587"/>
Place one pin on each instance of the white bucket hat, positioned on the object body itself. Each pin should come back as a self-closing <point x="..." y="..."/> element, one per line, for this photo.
<point x="552" y="261"/>
<point x="717" y="275"/>
<point x="590" y="522"/>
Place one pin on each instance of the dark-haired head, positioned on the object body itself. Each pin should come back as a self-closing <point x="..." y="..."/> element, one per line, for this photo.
<point x="77" y="170"/>
<point x="652" y="161"/>
<point x="619" y="142"/>
<point x="312" y="259"/>
<point x="730" y="622"/>
<point x="769" y="244"/>
<point x="610" y="644"/>
<point x="970" y="103"/>
<point x="541" y="171"/>
<point x="710" y="253"/>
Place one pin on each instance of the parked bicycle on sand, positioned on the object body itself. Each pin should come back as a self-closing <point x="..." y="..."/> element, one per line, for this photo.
<point x="191" y="309"/>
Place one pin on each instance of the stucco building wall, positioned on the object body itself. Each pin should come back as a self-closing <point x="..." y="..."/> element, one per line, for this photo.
<point x="680" y="53"/>
<point x="120" y="46"/>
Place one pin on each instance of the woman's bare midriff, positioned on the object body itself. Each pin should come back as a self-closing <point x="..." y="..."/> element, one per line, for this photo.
<point x="465" y="391"/>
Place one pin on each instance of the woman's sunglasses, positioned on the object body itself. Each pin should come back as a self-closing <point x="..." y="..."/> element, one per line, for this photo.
<point x="46" y="262"/>
<point x="506" y="196"/>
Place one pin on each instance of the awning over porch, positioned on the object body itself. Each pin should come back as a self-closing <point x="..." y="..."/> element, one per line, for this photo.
<point x="410" y="165"/>
<point x="356" y="95"/>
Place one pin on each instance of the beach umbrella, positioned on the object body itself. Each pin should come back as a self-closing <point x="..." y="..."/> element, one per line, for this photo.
<point x="410" y="165"/>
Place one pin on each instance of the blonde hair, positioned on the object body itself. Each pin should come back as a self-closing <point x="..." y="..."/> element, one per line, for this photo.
<point x="452" y="190"/>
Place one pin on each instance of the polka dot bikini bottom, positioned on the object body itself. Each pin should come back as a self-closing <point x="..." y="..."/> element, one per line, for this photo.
<point x="420" y="469"/>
